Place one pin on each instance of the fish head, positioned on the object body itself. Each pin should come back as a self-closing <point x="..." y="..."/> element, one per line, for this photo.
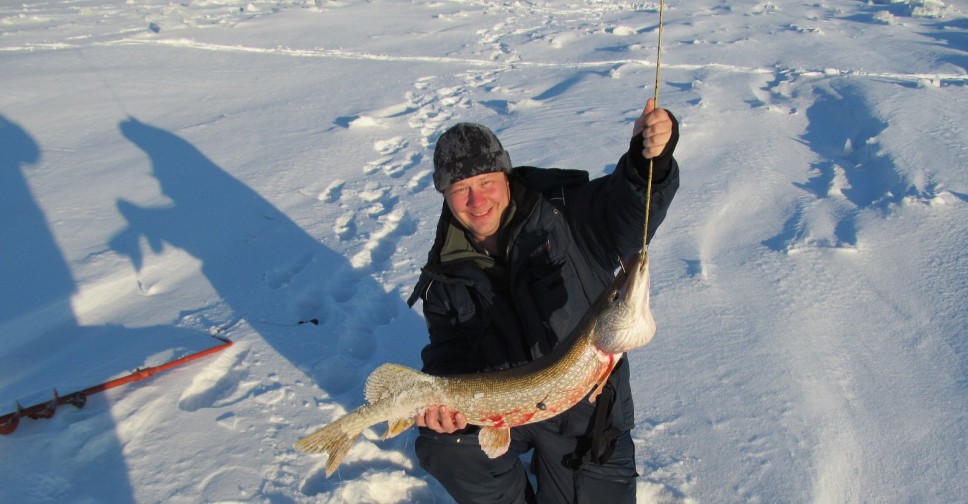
<point x="625" y="319"/>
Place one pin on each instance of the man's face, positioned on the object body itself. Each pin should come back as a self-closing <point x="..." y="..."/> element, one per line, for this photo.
<point x="479" y="203"/>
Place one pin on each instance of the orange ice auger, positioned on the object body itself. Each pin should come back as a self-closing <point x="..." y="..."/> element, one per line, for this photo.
<point x="9" y="422"/>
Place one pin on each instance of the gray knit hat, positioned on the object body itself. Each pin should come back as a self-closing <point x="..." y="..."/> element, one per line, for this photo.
<point x="466" y="150"/>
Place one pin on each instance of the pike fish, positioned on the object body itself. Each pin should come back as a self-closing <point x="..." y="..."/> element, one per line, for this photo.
<point x="618" y="321"/>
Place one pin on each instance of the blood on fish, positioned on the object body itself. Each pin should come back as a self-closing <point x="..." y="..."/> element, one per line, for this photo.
<point x="494" y="420"/>
<point x="608" y="370"/>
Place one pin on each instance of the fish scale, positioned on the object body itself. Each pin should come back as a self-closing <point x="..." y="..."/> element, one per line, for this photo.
<point x="618" y="321"/>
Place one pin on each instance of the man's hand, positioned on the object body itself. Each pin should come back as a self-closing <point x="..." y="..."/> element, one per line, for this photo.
<point x="440" y="419"/>
<point x="656" y="128"/>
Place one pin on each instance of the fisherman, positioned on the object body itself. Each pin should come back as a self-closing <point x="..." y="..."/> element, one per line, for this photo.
<point x="519" y="256"/>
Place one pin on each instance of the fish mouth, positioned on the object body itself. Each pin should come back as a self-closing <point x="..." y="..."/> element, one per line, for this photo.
<point x="627" y="322"/>
<point x="637" y="284"/>
<point x="634" y="288"/>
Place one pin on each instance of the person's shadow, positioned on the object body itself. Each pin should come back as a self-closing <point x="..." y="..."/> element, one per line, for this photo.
<point x="308" y="302"/>
<point x="43" y="347"/>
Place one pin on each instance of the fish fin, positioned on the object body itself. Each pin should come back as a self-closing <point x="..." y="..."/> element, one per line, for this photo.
<point x="494" y="440"/>
<point x="603" y="380"/>
<point x="388" y="379"/>
<point x="396" y="426"/>
<point x="332" y="440"/>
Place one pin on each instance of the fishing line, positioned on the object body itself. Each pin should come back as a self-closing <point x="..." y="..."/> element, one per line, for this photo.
<point x="655" y="97"/>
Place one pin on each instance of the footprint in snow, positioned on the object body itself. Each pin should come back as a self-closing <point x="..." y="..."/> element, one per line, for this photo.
<point x="345" y="226"/>
<point x="397" y="168"/>
<point x="382" y="244"/>
<point x="391" y="146"/>
<point x="420" y="181"/>
<point x="332" y="192"/>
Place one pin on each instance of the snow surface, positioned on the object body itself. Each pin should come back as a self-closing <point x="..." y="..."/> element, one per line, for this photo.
<point x="172" y="170"/>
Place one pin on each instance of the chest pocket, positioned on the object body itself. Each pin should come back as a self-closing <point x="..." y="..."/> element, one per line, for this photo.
<point x="483" y="321"/>
<point x="552" y="282"/>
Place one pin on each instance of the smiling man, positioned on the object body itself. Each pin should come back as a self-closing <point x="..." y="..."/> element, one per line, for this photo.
<point x="519" y="256"/>
<point x="478" y="204"/>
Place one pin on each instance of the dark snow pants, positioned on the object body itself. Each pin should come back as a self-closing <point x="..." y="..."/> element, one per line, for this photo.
<point x="459" y="464"/>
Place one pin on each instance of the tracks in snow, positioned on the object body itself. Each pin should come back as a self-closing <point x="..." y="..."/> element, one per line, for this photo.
<point x="324" y="53"/>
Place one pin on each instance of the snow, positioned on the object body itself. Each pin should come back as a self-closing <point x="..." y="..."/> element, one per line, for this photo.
<point x="171" y="170"/>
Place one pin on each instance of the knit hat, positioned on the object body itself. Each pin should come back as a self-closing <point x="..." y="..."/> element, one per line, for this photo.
<point x="466" y="150"/>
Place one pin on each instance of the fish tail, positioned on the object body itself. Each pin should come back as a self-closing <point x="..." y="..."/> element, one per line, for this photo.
<point x="334" y="440"/>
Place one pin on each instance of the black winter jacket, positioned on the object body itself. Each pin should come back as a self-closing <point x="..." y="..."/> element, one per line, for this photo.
<point x="562" y="245"/>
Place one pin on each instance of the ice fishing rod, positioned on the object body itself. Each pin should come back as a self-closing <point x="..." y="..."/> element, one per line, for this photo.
<point x="9" y="422"/>
<point x="655" y="99"/>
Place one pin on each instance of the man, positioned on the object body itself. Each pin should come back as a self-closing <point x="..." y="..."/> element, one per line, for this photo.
<point x="519" y="256"/>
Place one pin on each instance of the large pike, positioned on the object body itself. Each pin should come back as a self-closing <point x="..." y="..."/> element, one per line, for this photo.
<point x="620" y="320"/>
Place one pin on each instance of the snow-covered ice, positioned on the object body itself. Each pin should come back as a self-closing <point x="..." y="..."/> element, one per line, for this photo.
<point x="174" y="169"/>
